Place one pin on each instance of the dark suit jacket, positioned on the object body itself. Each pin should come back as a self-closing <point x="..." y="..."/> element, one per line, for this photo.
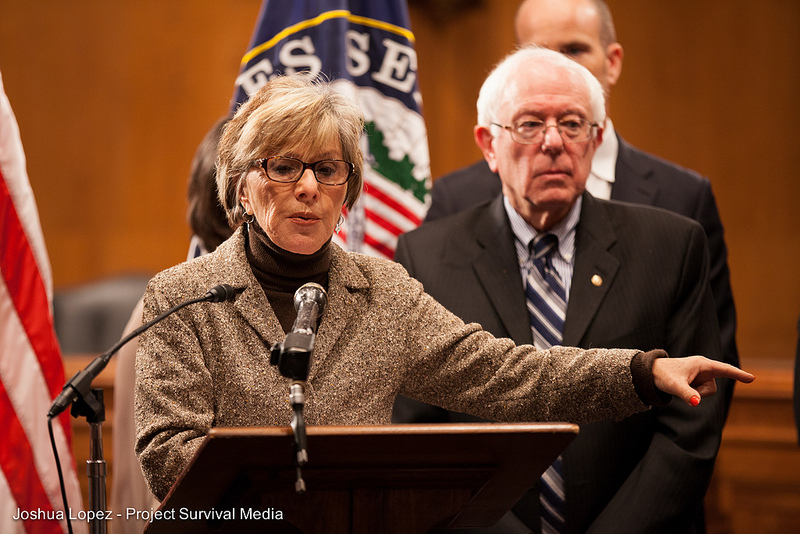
<point x="641" y="178"/>
<point x="648" y="473"/>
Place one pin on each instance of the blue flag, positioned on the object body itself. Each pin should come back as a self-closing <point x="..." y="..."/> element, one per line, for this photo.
<point x="366" y="49"/>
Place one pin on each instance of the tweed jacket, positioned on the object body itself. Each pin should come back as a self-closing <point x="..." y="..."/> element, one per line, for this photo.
<point x="381" y="335"/>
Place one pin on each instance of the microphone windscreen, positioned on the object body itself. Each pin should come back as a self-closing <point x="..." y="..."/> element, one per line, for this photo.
<point x="311" y="292"/>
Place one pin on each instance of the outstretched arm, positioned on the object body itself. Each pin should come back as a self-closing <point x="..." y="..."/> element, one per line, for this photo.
<point x="692" y="378"/>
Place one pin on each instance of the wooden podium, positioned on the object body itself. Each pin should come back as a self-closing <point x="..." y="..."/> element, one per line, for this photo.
<point x="400" y="479"/>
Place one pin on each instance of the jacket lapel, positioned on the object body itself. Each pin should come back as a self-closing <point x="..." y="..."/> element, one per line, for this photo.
<point x="343" y="303"/>
<point x="345" y="299"/>
<point x="497" y="270"/>
<point x="632" y="177"/>
<point x="594" y="272"/>
<point x="231" y="266"/>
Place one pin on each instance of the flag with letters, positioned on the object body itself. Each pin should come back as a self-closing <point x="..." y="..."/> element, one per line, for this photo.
<point x="366" y="49"/>
<point x="31" y="369"/>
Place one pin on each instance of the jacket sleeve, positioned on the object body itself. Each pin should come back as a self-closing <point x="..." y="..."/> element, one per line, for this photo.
<point x="461" y="367"/>
<point x="174" y="396"/>
<point x="719" y="276"/>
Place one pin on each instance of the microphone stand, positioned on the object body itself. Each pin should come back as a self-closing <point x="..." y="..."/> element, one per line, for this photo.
<point x="88" y="402"/>
<point x="293" y="359"/>
<point x="91" y="407"/>
<point x="297" y="398"/>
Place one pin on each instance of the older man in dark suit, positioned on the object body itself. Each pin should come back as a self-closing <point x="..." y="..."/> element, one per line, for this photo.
<point x="613" y="274"/>
<point x="583" y="30"/>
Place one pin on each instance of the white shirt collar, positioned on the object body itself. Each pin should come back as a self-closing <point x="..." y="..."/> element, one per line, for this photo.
<point x="604" y="162"/>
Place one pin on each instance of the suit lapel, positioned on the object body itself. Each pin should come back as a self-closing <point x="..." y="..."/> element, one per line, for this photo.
<point x="346" y="298"/>
<point x="230" y="265"/>
<point x="594" y="272"/>
<point x="632" y="177"/>
<point x="497" y="269"/>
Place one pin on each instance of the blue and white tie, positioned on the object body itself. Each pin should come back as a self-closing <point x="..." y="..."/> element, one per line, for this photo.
<point x="547" y="308"/>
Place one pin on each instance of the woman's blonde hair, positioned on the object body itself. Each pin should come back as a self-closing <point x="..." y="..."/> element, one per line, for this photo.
<point x="287" y="112"/>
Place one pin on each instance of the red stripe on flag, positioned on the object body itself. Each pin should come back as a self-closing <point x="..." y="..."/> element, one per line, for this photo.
<point x="29" y="298"/>
<point x="383" y="223"/>
<point x="28" y="293"/>
<point x="392" y="203"/>
<point x="16" y="462"/>
<point x="377" y="245"/>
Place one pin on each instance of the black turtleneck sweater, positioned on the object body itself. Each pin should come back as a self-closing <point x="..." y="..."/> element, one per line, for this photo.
<point x="281" y="272"/>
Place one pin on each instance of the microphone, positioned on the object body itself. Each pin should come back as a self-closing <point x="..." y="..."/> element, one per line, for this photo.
<point x="309" y="301"/>
<point x="79" y="385"/>
<point x="293" y="359"/>
<point x="293" y="356"/>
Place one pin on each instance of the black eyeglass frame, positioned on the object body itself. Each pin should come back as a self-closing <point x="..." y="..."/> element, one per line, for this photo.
<point x="262" y="164"/>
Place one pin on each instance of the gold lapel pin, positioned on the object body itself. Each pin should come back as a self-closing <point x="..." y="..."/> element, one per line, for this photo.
<point x="597" y="280"/>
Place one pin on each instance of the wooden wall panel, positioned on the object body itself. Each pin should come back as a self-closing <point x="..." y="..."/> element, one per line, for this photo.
<point x="756" y="484"/>
<point x="714" y="86"/>
<point x="113" y="97"/>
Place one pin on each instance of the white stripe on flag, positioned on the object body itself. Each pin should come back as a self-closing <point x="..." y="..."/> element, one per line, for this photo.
<point x="8" y="508"/>
<point x="405" y="198"/>
<point x="12" y="163"/>
<point x="387" y="218"/>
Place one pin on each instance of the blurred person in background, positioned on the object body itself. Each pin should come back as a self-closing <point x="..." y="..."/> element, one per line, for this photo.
<point x="209" y="227"/>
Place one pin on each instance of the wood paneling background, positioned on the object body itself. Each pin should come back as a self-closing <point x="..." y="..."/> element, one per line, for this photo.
<point x="112" y="98"/>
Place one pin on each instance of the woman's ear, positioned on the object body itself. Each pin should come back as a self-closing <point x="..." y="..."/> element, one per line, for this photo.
<point x="244" y="201"/>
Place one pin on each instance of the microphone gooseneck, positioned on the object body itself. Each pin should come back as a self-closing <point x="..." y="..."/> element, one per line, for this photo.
<point x="220" y="293"/>
<point x="79" y="385"/>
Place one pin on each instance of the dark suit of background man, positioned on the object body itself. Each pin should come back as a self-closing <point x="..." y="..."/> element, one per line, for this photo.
<point x="583" y="30"/>
<point x="638" y="277"/>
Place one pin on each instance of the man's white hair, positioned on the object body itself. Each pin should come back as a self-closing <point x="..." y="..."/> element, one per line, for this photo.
<point x="534" y="57"/>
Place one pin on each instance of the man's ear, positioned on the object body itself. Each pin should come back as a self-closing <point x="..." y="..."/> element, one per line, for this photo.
<point x="614" y="55"/>
<point x="484" y="139"/>
<point x="598" y="138"/>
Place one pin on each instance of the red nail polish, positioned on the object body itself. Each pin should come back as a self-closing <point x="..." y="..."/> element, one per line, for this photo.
<point x="695" y="400"/>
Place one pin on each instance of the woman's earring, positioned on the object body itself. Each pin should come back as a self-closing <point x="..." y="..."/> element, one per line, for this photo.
<point x="339" y="224"/>
<point x="248" y="217"/>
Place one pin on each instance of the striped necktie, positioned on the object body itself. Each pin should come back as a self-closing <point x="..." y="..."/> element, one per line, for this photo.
<point x="547" y="308"/>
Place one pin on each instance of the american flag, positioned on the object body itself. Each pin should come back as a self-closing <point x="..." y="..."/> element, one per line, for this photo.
<point x="366" y="48"/>
<point x="31" y="370"/>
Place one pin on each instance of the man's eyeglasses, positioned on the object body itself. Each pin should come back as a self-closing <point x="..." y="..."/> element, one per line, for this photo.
<point x="530" y="132"/>
<point x="286" y="170"/>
